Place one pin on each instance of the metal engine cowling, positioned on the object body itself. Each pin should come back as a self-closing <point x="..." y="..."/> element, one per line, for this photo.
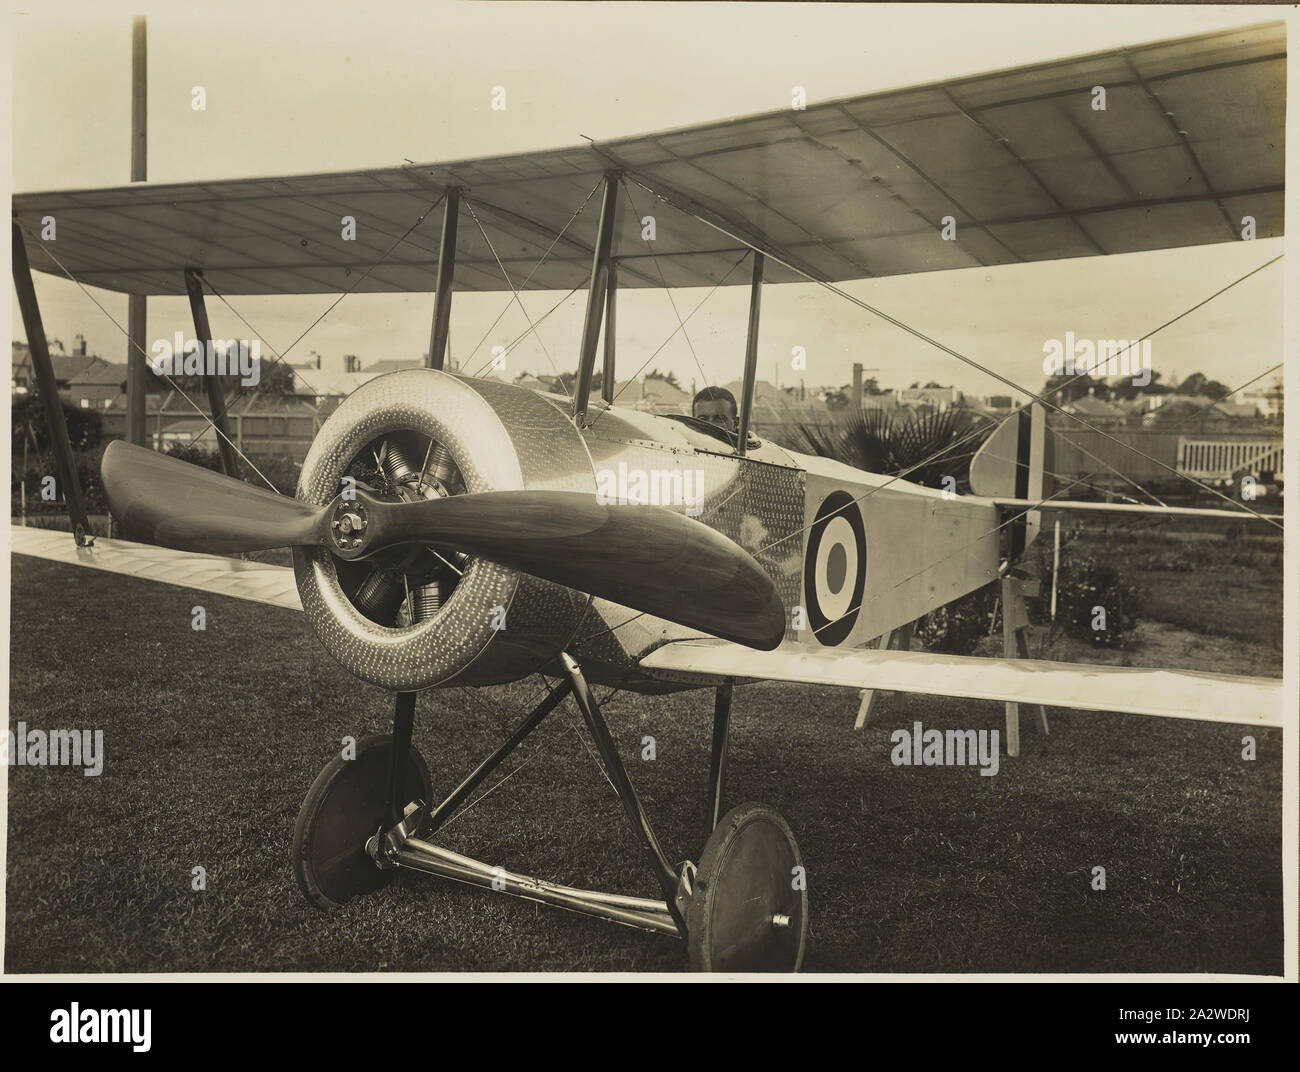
<point x="496" y="625"/>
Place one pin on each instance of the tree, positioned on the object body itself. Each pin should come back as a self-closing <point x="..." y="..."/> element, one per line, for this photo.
<point x="275" y="381"/>
<point x="670" y="378"/>
<point x="928" y="448"/>
<point x="565" y="382"/>
<point x="1123" y="387"/>
<point x="27" y="414"/>
<point x="1062" y="388"/>
<point x="1198" y="386"/>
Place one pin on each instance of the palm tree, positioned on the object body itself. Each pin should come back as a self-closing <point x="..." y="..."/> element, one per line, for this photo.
<point x="924" y="447"/>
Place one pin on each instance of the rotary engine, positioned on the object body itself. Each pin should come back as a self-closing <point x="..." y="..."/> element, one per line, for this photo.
<point x="417" y="614"/>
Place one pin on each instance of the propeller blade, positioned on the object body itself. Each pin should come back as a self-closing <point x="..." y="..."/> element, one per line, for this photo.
<point x="644" y="557"/>
<point x="166" y="501"/>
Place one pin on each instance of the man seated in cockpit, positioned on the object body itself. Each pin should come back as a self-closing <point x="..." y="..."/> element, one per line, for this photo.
<point x="716" y="406"/>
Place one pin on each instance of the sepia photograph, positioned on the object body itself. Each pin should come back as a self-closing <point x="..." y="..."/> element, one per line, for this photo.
<point x="654" y="489"/>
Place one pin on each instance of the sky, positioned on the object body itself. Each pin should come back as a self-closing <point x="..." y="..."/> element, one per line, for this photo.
<point x="320" y="87"/>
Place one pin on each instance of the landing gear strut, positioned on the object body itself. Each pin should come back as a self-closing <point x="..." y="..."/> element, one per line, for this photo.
<point x="743" y="909"/>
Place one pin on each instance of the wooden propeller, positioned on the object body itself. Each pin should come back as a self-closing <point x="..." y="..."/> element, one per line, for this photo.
<point x="644" y="557"/>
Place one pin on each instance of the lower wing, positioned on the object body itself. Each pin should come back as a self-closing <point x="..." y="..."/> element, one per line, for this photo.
<point x="1252" y="701"/>
<point x="256" y="581"/>
<point x="1255" y="701"/>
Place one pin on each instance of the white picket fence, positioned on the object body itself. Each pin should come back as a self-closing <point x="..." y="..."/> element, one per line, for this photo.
<point x="1219" y="459"/>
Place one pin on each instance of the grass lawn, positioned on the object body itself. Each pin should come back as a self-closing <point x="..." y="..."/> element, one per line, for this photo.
<point x="212" y="739"/>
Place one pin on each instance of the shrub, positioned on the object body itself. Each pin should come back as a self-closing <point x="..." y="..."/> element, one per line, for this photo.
<point x="280" y="469"/>
<point x="958" y="627"/>
<point x="41" y="465"/>
<point x="928" y="447"/>
<point x="1085" y="584"/>
<point x="27" y="415"/>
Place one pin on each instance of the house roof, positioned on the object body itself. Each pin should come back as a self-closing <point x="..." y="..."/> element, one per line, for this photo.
<point x="1237" y="409"/>
<point x="103" y="373"/>
<point x="653" y="392"/>
<point x="661" y="392"/>
<point x="1089" y="406"/>
<point x="323" y="384"/>
<point x="923" y="395"/>
<point x="394" y="364"/>
<point x="764" y="392"/>
<point x="73" y="367"/>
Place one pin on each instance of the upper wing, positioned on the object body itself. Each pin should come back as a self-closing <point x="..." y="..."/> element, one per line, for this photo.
<point x="1255" y="701"/>
<point x="255" y="581"/>
<point x="1190" y="140"/>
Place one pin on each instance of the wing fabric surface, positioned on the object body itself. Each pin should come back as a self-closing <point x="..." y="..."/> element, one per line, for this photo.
<point x="1072" y="506"/>
<point x="1251" y="701"/>
<point x="1190" y="141"/>
<point x="254" y="581"/>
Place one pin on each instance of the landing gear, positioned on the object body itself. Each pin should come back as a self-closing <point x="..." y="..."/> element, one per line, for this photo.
<point x="744" y="908"/>
<point x="347" y="803"/>
<point x="749" y="908"/>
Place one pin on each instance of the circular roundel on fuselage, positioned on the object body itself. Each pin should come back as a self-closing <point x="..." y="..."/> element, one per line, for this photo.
<point x="835" y="568"/>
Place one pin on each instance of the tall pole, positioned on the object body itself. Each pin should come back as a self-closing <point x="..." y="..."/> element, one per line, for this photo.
<point x="446" y="277"/>
<point x="137" y="371"/>
<point x="751" y="354"/>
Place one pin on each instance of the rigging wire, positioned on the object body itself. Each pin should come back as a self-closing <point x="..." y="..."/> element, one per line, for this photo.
<point x="514" y="294"/>
<point x="916" y="333"/>
<point x="577" y="212"/>
<point x="175" y="387"/>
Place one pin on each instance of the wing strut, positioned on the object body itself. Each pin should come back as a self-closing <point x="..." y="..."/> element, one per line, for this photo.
<point x="49" y="389"/>
<point x="446" y="272"/>
<point x="600" y="266"/>
<point x="607" y="376"/>
<point x="751" y="354"/>
<point x="216" y="396"/>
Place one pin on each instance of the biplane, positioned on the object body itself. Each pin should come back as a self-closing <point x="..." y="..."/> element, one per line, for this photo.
<point x="450" y="530"/>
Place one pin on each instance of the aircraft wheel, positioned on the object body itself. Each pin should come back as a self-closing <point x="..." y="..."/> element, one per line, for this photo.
<point x="345" y="805"/>
<point x="745" y="914"/>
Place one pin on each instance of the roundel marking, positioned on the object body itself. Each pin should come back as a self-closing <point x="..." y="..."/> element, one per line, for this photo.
<point x="835" y="568"/>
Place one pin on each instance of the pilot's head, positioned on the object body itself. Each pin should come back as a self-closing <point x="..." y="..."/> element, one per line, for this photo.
<point x="716" y="405"/>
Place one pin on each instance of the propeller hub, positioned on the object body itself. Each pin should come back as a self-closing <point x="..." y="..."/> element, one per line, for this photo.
<point x="348" y="525"/>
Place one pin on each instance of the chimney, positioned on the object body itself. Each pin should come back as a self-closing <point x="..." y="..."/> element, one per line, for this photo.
<point x="857" y="385"/>
<point x="79" y="347"/>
